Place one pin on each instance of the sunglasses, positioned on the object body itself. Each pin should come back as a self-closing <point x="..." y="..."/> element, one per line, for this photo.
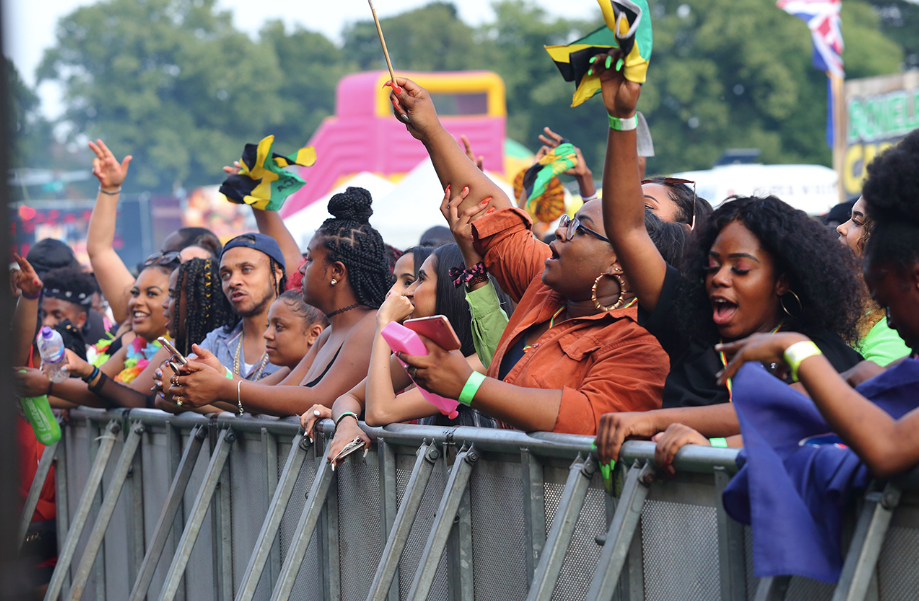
<point x="573" y="226"/>
<point x="163" y="259"/>
<point x="671" y="182"/>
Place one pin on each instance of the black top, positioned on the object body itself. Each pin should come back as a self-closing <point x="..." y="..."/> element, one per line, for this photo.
<point x="693" y="364"/>
<point x="315" y="381"/>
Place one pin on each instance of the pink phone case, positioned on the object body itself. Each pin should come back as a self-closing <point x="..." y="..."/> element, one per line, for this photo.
<point x="402" y="340"/>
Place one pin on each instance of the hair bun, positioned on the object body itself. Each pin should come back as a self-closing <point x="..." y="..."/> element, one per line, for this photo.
<point x="353" y="204"/>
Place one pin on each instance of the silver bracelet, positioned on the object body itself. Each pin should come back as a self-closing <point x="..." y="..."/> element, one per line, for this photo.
<point x="113" y="193"/>
<point x="589" y="198"/>
<point x="239" y="401"/>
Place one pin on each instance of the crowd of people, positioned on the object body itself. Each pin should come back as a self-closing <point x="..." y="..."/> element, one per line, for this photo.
<point x="633" y="321"/>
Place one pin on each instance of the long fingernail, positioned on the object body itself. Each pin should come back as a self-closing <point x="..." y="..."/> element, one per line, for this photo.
<point x="593" y="59"/>
<point x="590" y="72"/>
<point x="448" y="189"/>
<point x="609" y="61"/>
<point x="619" y="64"/>
<point x="490" y="211"/>
<point x="486" y="201"/>
<point x="396" y="89"/>
<point x="466" y="190"/>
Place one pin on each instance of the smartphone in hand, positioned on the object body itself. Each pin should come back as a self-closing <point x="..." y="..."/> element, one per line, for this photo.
<point x="438" y="329"/>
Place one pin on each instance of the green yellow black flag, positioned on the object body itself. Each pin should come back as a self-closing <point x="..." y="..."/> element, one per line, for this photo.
<point x="628" y="26"/>
<point x="262" y="180"/>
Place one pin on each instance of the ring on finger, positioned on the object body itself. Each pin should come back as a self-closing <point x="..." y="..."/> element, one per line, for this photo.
<point x="177" y="400"/>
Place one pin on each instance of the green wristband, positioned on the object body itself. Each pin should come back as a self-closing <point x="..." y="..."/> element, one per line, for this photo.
<point x="718" y="442"/>
<point x="229" y="374"/>
<point x="344" y="415"/>
<point x="470" y="388"/>
<point x="628" y="124"/>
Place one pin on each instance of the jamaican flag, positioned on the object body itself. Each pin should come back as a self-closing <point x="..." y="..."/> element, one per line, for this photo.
<point x="262" y="180"/>
<point x="544" y="192"/>
<point x="628" y="26"/>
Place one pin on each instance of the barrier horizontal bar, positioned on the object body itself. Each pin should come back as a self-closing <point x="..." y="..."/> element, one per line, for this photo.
<point x="691" y="458"/>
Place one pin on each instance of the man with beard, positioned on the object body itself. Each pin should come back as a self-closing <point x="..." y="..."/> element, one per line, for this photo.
<point x="252" y="276"/>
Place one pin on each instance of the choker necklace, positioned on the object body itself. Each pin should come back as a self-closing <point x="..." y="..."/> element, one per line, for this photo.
<point x="343" y="310"/>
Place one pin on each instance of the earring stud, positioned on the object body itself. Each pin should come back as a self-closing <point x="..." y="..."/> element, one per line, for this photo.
<point x="334" y="281"/>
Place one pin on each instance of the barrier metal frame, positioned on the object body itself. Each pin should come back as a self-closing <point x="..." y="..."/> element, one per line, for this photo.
<point x="553" y="516"/>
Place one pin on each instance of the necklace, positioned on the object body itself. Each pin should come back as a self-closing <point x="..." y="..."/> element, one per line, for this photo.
<point x="527" y="347"/>
<point x="261" y="362"/>
<point x="724" y="363"/>
<point x="343" y="310"/>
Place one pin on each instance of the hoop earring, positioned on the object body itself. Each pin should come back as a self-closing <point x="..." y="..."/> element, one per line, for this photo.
<point x="620" y="302"/>
<point x="784" y="308"/>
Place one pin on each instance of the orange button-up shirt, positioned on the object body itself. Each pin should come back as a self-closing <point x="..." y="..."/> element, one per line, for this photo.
<point x="602" y="363"/>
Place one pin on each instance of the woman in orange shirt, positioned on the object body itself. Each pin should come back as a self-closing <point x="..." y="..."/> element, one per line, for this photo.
<point x="573" y="349"/>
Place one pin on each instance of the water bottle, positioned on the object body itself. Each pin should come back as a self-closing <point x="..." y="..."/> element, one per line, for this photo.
<point x="51" y="348"/>
<point x="38" y="413"/>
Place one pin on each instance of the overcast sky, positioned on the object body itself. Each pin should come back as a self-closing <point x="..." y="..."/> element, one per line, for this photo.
<point x="30" y="24"/>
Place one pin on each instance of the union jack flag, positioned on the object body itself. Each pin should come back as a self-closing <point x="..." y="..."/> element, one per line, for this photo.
<point x="822" y="18"/>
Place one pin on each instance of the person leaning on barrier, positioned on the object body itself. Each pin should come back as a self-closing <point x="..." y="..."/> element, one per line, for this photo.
<point x="758" y="265"/>
<point x="377" y="397"/>
<point x="346" y="276"/>
<point x="573" y="349"/>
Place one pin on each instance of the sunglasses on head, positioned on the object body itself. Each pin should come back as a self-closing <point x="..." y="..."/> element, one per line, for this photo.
<point x="673" y="181"/>
<point x="572" y="226"/>
<point x="163" y="259"/>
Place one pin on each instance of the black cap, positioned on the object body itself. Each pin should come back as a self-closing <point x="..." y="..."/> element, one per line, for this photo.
<point x="50" y="254"/>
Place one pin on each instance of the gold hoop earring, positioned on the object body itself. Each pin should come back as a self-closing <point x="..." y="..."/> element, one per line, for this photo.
<point x="797" y="298"/>
<point x="620" y="302"/>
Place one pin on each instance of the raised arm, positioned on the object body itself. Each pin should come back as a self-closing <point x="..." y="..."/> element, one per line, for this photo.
<point x="25" y="319"/>
<point x="114" y="278"/>
<point x="623" y="203"/>
<point x="271" y="224"/>
<point x="414" y="108"/>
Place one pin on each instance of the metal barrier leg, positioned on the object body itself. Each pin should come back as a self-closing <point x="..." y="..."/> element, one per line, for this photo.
<point x="272" y="523"/>
<point x="41" y="474"/>
<point x="772" y="589"/>
<point x="534" y="508"/>
<point x="873" y="523"/>
<point x="621" y="532"/>
<point x="566" y="517"/>
<point x="167" y="516"/>
<point x="198" y="512"/>
<point x="105" y="513"/>
<point x="305" y="527"/>
<point x="730" y="546"/>
<point x="411" y="500"/>
<point x="106" y="444"/>
<point x="443" y="522"/>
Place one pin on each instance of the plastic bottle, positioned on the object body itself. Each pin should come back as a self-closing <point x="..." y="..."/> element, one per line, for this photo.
<point x="51" y="348"/>
<point x="38" y="413"/>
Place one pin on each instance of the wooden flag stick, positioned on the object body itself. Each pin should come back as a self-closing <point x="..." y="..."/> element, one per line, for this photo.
<point x="382" y="41"/>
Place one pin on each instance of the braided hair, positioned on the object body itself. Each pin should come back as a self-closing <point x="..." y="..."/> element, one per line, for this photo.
<point x="349" y="238"/>
<point x="206" y="306"/>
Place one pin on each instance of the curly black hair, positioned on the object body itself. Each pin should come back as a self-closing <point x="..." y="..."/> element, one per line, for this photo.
<point x="891" y="193"/>
<point x="349" y="238"/>
<point x="820" y="271"/>
<point x="206" y="306"/>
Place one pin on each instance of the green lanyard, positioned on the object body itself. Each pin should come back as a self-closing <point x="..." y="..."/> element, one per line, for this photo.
<point x="724" y="363"/>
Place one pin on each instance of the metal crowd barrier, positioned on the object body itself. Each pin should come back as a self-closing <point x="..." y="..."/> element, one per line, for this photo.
<point x="162" y="507"/>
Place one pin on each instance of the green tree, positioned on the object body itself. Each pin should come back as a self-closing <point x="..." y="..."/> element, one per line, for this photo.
<point x="169" y="81"/>
<point x="31" y="130"/>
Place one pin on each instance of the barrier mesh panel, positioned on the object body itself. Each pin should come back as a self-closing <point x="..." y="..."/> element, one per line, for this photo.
<point x="680" y="552"/>
<point x="78" y="466"/>
<point x="752" y="581"/>
<point x="898" y="579"/>
<point x="114" y="548"/>
<point x="308" y="586"/>
<point x="497" y="532"/>
<point x="200" y="575"/>
<point x="418" y="536"/>
<point x="157" y="479"/>
<point x="360" y="536"/>
<point x="248" y="505"/>
<point x="806" y="589"/>
<point x="583" y="552"/>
